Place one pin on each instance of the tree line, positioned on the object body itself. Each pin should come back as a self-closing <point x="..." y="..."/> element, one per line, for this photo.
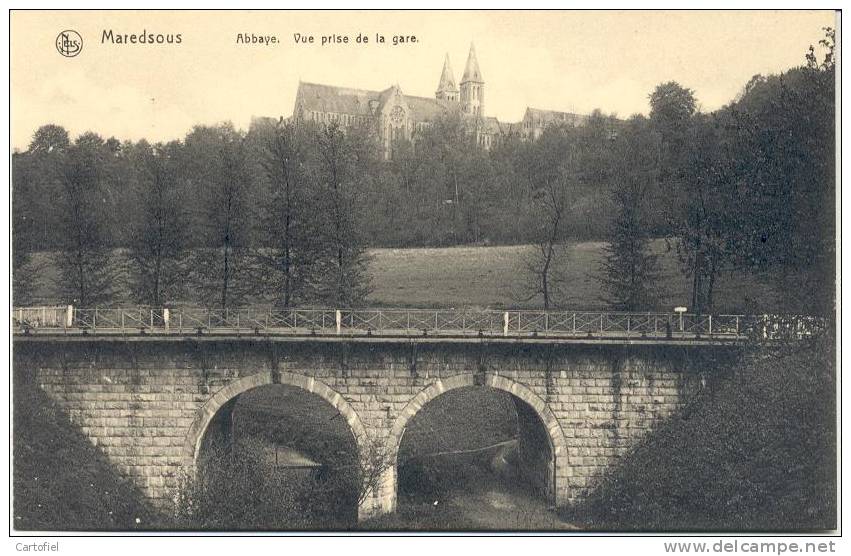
<point x="232" y="216"/>
<point x="285" y="212"/>
<point x="748" y="188"/>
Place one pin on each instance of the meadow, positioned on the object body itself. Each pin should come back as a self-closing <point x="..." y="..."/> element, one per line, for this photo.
<point x="494" y="277"/>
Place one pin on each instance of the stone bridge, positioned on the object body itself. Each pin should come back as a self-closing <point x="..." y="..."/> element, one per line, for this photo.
<point x="151" y="387"/>
<point x="148" y="401"/>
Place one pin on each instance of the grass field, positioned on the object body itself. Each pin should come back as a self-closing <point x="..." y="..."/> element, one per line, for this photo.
<point x="493" y="277"/>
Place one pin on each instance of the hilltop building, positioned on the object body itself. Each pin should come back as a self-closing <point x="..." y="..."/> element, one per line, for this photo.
<point x="399" y="116"/>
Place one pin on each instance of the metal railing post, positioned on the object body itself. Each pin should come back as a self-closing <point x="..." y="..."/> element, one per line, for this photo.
<point x="505" y="321"/>
<point x="338" y="317"/>
<point x="710" y="325"/>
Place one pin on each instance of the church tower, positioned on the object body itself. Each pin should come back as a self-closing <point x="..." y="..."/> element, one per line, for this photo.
<point x="446" y="89"/>
<point x="472" y="86"/>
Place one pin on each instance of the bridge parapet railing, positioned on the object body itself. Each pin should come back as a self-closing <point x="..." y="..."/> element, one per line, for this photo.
<point x="40" y="317"/>
<point x="105" y="318"/>
<point x="411" y="322"/>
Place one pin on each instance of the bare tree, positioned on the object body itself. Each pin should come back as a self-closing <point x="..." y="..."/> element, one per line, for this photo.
<point x="543" y="276"/>
<point x="553" y="179"/>
<point x="374" y="461"/>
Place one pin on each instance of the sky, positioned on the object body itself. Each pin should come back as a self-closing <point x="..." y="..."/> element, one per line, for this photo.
<point x="570" y="61"/>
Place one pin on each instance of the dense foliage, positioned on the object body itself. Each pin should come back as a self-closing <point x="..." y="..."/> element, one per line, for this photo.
<point x="755" y="450"/>
<point x="236" y="490"/>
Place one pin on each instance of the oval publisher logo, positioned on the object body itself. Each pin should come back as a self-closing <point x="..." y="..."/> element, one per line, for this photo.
<point x="69" y="43"/>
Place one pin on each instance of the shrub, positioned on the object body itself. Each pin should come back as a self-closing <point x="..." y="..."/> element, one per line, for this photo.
<point x="755" y="450"/>
<point x="235" y="489"/>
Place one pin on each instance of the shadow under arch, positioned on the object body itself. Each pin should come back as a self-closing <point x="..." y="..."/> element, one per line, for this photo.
<point x="205" y="415"/>
<point x="550" y="423"/>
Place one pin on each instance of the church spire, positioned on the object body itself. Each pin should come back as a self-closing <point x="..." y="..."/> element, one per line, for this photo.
<point x="447" y="80"/>
<point x="471" y="72"/>
<point x="472" y="87"/>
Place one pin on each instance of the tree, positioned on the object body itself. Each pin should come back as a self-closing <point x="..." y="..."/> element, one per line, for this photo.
<point x="511" y="189"/>
<point x="87" y="272"/>
<point x="554" y="161"/>
<point x="780" y="148"/>
<point x="48" y="139"/>
<point x="289" y="241"/>
<point x="158" y="238"/>
<point x="24" y="273"/>
<point x="221" y="266"/>
<point x="706" y="210"/>
<point x="687" y="169"/>
<point x="671" y="108"/>
<point x="630" y="269"/>
<point x="344" y="157"/>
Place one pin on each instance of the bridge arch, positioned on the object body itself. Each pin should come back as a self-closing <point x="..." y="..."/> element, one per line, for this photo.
<point x="205" y="415"/>
<point x="554" y="432"/>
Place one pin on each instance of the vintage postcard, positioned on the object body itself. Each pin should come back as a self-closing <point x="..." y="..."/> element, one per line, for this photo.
<point x="563" y="272"/>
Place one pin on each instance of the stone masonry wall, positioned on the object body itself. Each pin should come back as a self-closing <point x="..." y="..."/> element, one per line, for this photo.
<point x="147" y="402"/>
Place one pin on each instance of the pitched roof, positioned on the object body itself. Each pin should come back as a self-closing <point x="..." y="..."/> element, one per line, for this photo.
<point x="426" y="109"/>
<point x="341" y="100"/>
<point x="447" y="79"/>
<point x="543" y="117"/>
<point x="471" y="72"/>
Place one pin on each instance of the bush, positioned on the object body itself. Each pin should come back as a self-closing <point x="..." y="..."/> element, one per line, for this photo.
<point x="755" y="450"/>
<point x="235" y="490"/>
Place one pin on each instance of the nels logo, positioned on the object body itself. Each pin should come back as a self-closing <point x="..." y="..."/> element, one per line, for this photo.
<point x="69" y="43"/>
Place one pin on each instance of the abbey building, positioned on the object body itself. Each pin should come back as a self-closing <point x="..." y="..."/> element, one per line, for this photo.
<point x="400" y="116"/>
